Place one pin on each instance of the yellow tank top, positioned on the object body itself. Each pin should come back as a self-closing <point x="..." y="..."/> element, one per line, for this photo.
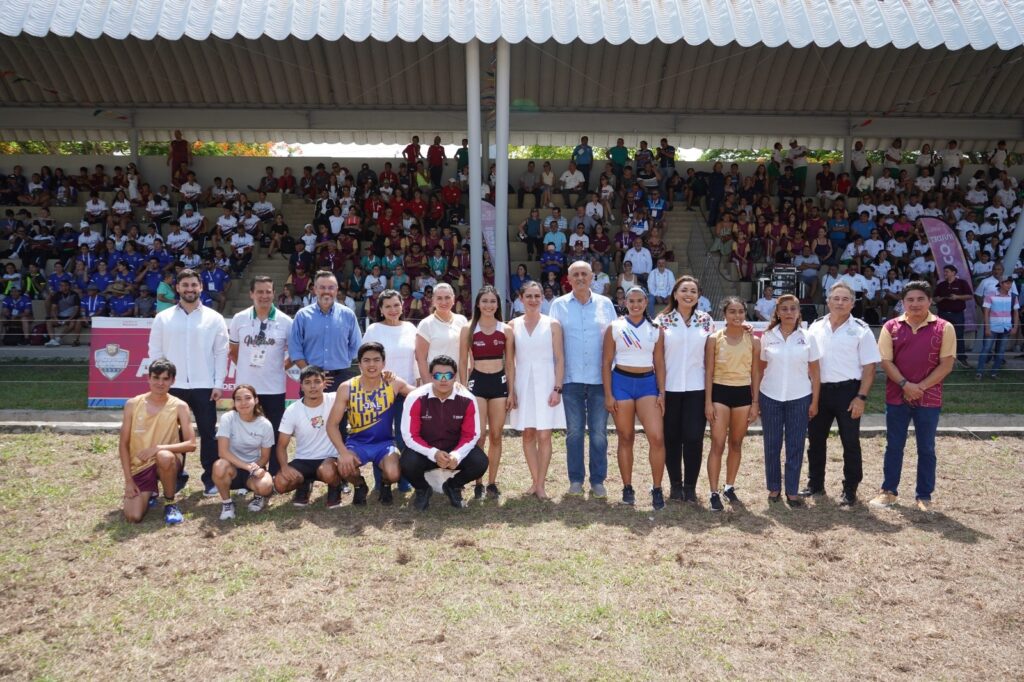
<point x="149" y="430"/>
<point x="733" y="363"/>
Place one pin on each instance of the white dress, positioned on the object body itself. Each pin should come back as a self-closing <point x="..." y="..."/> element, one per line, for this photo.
<point x="535" y="378"/>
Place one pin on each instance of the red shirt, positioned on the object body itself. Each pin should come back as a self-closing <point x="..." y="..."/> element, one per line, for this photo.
<point x="397" y="205"/>
<point x="417" y="207"/>
<point x="286" y="183"/>
<point x="388" y="175"/>
<point x="451" y="194"/>
<point x="412" y="154"/>
<point x="373" y="208"/>
<point x="435" y="155"/>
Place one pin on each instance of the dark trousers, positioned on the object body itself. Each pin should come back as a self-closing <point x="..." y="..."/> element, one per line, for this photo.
<point x="436" y="173"/>
<point x="338" y="377"/>
<point x="714" y="208"/>
<point x="586" y="176"/>
<point x="520" y="193"/>
<point x="204" y="411"/>
<point x="273" y="410"/>
<point x="415" y="466"/>
<point x="957" y="320"/>
<point x="784" y="422"/>
<point x="534" y="247"/>
<point x="833" y="402"/>
<point x="684" y="436"/>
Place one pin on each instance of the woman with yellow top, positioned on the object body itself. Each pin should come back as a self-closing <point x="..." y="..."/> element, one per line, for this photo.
<point x="732" y="382"/>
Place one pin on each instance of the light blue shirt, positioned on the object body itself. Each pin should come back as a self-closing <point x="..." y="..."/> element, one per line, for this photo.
<point x="583" y="327"/>
<point x="328" y="340"/>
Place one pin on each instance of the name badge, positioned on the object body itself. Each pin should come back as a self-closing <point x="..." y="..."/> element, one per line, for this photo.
<point x="258" y="357"/>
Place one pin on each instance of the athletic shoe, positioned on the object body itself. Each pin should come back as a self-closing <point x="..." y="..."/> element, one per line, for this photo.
<point x="675" y="492"/>
<point x="575" y="489"/>
<point x="847" y="499"/>
<point x="211" y="492"/>
<point x="359" y="496"/>
<point x="796" y="502"/>
<point x="716" y="502"/>
<point x="628" y="496"/>
<point x="478" y="491"/>
<point x="52" y="343"/>
<point x="152" y="501"/>
<point x="453" y="494"/>
<point x="598" y="490"/>
<point x="689" y="494"/>
<point x="257" y="504"/>
<point x="812" y="492"/>
<point x="992" y="376"/>
<point x="924" y="505"/>
<point x="657" y="499"/>
<point x="172" y="515"/>
<point x="227" y="511"/>
<point x="883" y="500"/>
<point x="334" y="496"/>
<point x="386" y="496"/>
<point x="422" y="499"/>
<point x="492" y="491"/>
<point x="301" y="497"/>
<point x="730" y="494"/>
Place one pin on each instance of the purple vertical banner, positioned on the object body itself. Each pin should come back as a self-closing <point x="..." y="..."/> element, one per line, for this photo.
<point x="946" y="250"/>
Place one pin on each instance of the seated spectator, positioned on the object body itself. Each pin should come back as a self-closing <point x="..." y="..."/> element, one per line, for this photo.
<point x="268" y="183"/>
<point x="16" y="309"/>
<point x="440" y="428"/>
<point x="120" y="300"/>
<point x="241" y="251"/>
<point x="765" y="306"/>
<point x="572" y="182"/>
<point x="191" y="191"/>
<point x="262" y="208"/>
<point x="552" y="260"/>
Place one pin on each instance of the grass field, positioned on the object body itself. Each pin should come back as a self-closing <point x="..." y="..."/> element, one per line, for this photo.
<point x="569" y="589"/>
<point x="63" y="386"/>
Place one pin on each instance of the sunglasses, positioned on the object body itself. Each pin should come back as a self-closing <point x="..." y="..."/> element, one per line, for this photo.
<point x="443" y="376"/>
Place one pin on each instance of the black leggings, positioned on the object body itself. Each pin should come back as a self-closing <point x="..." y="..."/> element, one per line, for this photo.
<point x="684" y="436"/>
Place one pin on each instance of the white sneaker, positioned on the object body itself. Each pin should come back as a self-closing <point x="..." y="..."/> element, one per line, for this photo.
<point x="227" y="511"/>
<point x="52" y="343"/>
<point x="257" y="504"/>
<point x="211" y="492"/>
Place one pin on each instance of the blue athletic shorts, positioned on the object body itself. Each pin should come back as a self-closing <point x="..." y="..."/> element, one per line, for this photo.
<point x="371" y="452"/>
<point x="632" y="386"/>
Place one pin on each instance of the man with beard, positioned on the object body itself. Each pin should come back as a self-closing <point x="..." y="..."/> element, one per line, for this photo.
<point x="195" y="339"/>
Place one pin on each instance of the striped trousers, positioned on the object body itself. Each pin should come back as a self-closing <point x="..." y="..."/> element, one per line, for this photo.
<point x="784" y="420"/>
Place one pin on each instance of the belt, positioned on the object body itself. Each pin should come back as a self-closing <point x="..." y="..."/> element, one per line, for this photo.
<point x="840" y="383"/>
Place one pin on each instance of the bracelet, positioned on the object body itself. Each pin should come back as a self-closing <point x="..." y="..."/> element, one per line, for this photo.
<point x="557" y="389"/>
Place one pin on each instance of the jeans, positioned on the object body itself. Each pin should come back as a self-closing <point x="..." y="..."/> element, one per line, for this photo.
<point x="521" y="192"/>
<point x="584" y="409"/>
<point x="897" y="423"/>
<point x="994" y="347"/>
<point x="957" y="320"/>
<point x="205" y="412"/>
<point x="684" y="436"/>
<point x="833" y="402"/>
<point x="784" y="420"/>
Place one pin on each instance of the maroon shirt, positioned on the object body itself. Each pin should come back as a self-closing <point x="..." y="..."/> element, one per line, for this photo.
<point x="957" y="288"/>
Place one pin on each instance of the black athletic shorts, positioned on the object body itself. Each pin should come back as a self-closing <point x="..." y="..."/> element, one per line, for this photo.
<point x="731" y="396"/>
<point x="488" y="386"/>
<point x="308" y="467"/>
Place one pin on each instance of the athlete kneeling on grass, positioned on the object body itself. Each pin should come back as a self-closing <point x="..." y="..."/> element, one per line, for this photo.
<point x="369" y="402"/>
<point x="244" y="440"/>
<point x="156" y="432"/>
<point x="315" y="457"/>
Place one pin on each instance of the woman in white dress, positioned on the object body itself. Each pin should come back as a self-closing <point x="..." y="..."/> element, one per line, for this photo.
<point x="537" y="389"/>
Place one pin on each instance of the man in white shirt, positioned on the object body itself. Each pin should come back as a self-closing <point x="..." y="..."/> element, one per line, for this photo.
<point x="923" y="266"/>
<point x="263" y="209"/>
<point x="258" y="346"/>
<point x="659" y="286"/>
<point x="195" y="339"/>
<point x="765" y="306"/>
<point x="572" y="183"/>
<point x="193" y="223"/>
<point x="797" y="158"/>
<point x="990" y="284"/>
<point x="997" y="160"/>
<point x="847" y="369"/>
<point x="316" y="458"/>
<point x="602" y="283"/>
<point x="227" y="223"/>
<point x="88" y="237"/>
<point x="177" y="240"/>
<point x="951" y="157"/>
<point x="241" y="251"/>
<point x="858" y="159"/>
<point x="872" y="295"/>
<point x="640" y="257"/>
<point x="858" y="285"/>
<point x="808" y="263"/>
<point x="190" y="189"/>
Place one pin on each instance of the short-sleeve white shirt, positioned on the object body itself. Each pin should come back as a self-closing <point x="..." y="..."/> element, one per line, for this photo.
<point x="684" y="349"/>
<point x="786" y="376"/>
<point x="245" y="439"/>
<point x="308" y="426"/>
<point x="845" y="351"/>
<point x="443" y="339"/>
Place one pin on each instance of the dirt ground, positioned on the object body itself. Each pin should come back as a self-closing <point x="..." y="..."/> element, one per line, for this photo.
<point x="518" y="589"/>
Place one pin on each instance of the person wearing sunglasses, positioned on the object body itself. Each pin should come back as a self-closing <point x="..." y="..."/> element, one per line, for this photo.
<point x="441" y="427"/>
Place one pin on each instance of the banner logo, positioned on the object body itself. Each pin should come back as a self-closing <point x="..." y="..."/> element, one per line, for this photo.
<point x="111" y="360"/>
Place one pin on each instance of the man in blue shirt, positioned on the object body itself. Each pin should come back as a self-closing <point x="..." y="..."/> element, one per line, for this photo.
<point x="584" y="316"/>
<point x="583" y="155"/>
<point x="18" y="306"/>
<point x="122" y="303"/>
<point x="215" y="284"/>
<point x="102" y="277"/>
<point x="552" y="260"/>
<point x="57" y="276"/>
<point x="863" y="225"/>
<point x="151" y="276"/>
<point x="326" y="333"/>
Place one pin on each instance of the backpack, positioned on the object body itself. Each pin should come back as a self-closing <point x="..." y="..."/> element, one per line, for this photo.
<point x="38" y="335"/>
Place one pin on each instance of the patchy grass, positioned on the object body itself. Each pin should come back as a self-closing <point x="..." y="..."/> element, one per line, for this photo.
<point x="573" y="588"/>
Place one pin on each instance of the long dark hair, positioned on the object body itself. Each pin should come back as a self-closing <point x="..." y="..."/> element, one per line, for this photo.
<point x="673" y="304"/>
<point x="257" y="409"/>
<point x="486" y="289"/>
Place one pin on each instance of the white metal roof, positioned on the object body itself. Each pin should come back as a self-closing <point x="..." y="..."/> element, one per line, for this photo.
<point x="902" y="23"/>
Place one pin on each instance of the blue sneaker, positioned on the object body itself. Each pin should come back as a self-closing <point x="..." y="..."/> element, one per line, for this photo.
<point x="152" y="501"/>
<point x="172" y="515"/>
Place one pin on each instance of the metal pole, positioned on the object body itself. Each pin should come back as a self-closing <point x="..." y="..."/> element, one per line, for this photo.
<point x="476" y="235"/>
<point x="133" y="146"/>
<point x="501" y="126"/>
<point x="847" y="150"/>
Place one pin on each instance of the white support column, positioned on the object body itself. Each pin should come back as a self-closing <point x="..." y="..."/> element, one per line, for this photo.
<point x="476" y="235"/>
<point x="133" y="145"/>
<point x="501" y="131"/>
<point x="1016" y="244"/>
<point x="847" y="150"/>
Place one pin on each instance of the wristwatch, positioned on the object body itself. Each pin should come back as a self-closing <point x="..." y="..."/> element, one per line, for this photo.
<point x="557" y="389"/>
<point x="861" y="396"/>
<point x="903" y="382"/>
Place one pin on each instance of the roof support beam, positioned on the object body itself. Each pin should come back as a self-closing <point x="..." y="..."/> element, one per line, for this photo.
<point x="476" y="232"/>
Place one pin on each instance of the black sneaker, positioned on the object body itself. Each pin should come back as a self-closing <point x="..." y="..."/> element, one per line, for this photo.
<point x="478" y="491"/>
<point x="301" y="497"/>
<point x="730" y="494"/>
<point x="675" y="492"/>
<point x="812" y="492"/>
<point x="333" y="496"/>
<point x="422" y="499"/>
<point x="796" y="502"/>
<point x="657" y="499"/>
<point x="628" y="496"/>
<point x="847" y="499"/>
<point x="774" y="499"/>
<point x="689" y="494"/>
<point x="492" y="491"/>
<point x="716" y="503"/>
<point x="385" y="496"/>
<point x="454" y="494"/>
<point x="359" y="496"/>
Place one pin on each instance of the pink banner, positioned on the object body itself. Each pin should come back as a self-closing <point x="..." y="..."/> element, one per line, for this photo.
<point x="118" y="363"/>
<point x="946" y="250"/>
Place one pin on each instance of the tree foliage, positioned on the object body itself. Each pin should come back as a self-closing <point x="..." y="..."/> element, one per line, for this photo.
<point x="536" y="151"/>
<point x="122" y="148"/>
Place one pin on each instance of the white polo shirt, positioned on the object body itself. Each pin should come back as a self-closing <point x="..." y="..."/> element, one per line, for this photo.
<point x="308" y="426"/>
<point x="786" y="376"/>
<point x="261" y="357"/>
<point x="684" y="350"/>
<point x="845" y="351"/>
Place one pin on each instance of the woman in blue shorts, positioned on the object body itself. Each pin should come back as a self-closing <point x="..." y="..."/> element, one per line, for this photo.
<point x="633" y="374"/>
